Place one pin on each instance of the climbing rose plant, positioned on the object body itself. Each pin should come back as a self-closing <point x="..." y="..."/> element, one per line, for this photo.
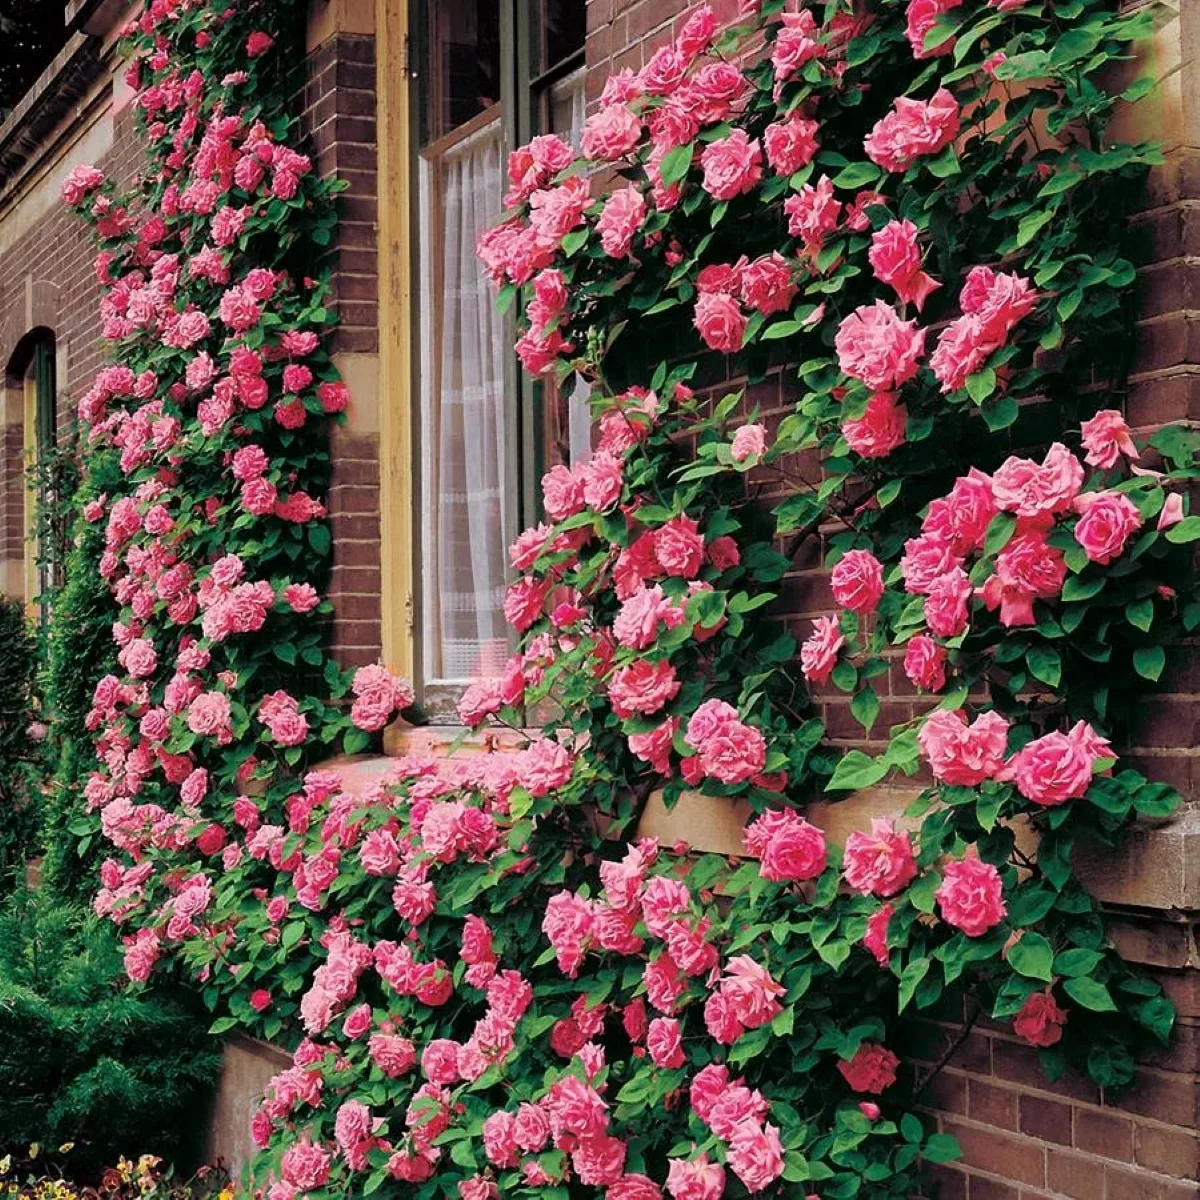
<point x="881" y="244"/>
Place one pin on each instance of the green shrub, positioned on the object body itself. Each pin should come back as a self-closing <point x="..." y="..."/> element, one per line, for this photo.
<point x="82" y="1059"/>
<point x="18" y="753"/>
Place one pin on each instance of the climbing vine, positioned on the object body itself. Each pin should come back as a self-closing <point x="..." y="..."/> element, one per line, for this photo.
<point x="882" y="243"/>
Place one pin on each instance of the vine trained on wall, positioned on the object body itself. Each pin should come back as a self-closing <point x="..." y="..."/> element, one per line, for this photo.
<point x="905" y="219"/>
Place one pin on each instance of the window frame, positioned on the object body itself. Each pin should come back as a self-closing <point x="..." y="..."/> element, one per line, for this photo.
<point x="525" y="104"/>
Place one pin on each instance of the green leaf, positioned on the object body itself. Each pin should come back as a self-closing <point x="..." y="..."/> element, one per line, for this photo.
<point x="676" y="163"/>
<point x="856" y="770"/>
<point x="865" y="707"/>
<point x="1077" y="961"/>
<point x="1090" y="993"/>
<point x="910" y="977"/>
<point x="1187" y="530"/>
<point x="1032" y="957"/>
<point x="856" y="175"/>
<point x="941" y="1148"/>
<point x="999" y="531"/>
<point x="1045" y="664"/>
<point x="1148" y="661"/>
<point x="1031" y="225"/>
<point x="1140" y="613"/>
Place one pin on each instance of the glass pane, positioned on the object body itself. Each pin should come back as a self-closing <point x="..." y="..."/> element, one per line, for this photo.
<point x="463" y="63"/>
<point x="464" y="419"/>
<point x="560" y="32"/>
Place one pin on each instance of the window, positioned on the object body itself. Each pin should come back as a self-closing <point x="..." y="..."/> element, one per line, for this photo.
<point x="41" y="419"/>
<point x="493" y="73"/>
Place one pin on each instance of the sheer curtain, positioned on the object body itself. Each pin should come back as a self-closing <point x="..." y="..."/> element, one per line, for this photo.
<point x="463" y="443"/>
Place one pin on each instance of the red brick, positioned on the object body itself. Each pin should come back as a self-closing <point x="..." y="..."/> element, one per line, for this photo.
<point x="1015" y="1158"/>
<point x="1105" y="1133"/>
<point x="992" y="1104"/>
<point x="1074" y="1175"/>
<point x="1168" y="1151"/>
<point x="1049" y="1120"/>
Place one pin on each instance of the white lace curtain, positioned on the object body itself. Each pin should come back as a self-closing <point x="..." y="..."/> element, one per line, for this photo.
<point x="464" y="435"/>
<point x="468" y="498"/>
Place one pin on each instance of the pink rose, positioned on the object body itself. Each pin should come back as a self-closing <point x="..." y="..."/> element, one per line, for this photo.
<point x="926" y="559"/>
<point x="875" y="938"/>
<point x="913" y="129"/>
<point x="795" y="45"/>
<point x="695" y="1179"/>
<point x="623" y="215"/>
<point x="720" y="322"/>
<point x="1106" y="437"/>
<point x="874" y="345"/>
<point x="922" y="17"/>
<point x="679" y="548"/>
<point x="732" y="165"/>
<point x="728" y="750"/>
<point x="1108" y="521"/>
<point x="749" y="441"/>
<point x="1172" y="512"/>
<point x="857" y="582"/>
<point x="602" y="478"/>
<point x="963" y="515"/>
<point x="1021" y="486"/>
<point x="960" y="754"/>
<point x="925" y="662"/>
<point x="1027" y="569"/>
<point x="788" y="847"/>
<point x="971" y="896"/>
<point x="1040" y="1021"/>
<point x="610" y="133"/>
<point x="881" y="428"/>
<point x="642" y="688"/>
<point x="555" y="211"/>
<point x="880" y="863"/>
<point x="1059" y="766"/>
<point x="790" y="144"/>
<point x="895" y="258"/>
<point x="664" y="1044"/>
<point x="562" y="493"/>
<point x="655" y="747"/>
<point x="756" y="1155"/>
<point x="872" y="1069"/>
<point x="813" y="213"/>
<point x="818" y="654"/>
<point x="766" y="284"/>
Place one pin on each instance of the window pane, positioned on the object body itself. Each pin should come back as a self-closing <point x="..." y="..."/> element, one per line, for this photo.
<point x="464" y="436"/>
<point x="463" y="71"/>
<point x="561" y="30"/>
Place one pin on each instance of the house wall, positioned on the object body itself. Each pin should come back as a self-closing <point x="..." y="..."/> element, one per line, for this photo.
<point x="1022" y="1137"/>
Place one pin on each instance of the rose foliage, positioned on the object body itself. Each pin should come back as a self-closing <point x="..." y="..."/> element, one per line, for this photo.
<point x="901" y="223"/>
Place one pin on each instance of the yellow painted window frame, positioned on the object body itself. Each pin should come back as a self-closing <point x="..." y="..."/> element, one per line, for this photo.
<point x="397" y="495"/>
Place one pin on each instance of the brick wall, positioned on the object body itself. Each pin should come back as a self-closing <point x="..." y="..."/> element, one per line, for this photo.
<point x="1023" y="1137"/>
<point x="339" y="116"/>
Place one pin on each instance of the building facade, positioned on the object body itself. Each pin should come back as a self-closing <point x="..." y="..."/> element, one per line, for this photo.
<point x="415" y="104"/>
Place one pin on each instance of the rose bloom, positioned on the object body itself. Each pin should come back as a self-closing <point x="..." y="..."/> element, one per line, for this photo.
<point x="818" y="654"/>
<point x="623" y="215"/>
<point x="642" y="688"/>
<point x="880" y="863"/>
<point x="787" y="846"/>
<point x="1059" y="766"/>
<point x="925" y="663"/>
<point x="610" y="133"/>
<point x="926" y="560"/>
<point x="756" y="1155"/>
<point x="732" y="165"/>
<point x="1109" y="519"/>
<point x="790" y="144"/>
<point x="963" y="515"/>
<point x="749" y="441"/>
<point x="960" y="754"/>
<point x="874" y="345"/>
<point x="881" y="428"/>
<point x="872" y="1069"/>
<point x="679" y="548"/>
<point x="895" y="258"/>
<point x="720" y="322"/>
<point x="663" y="1043"/>
<point x="913" y="129"/>
<point x="971" y="895"/>
<point x="875" y="938"/>
<point x="922" y="17"/>
<point x="1040" y="1020"/>
<point x="1106" y="437"/>
<point x="766" y="284"/>
<point x="857" y="582"/>
<point x="1021" y="486"/>
<point x="695" y="1179"/>
<point x="813" y="213"/>
<point x="1027" y="569"/>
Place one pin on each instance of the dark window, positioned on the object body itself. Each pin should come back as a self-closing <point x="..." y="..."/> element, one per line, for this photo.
<point x="32" y="32"/>
<point x="463" y="63"/>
